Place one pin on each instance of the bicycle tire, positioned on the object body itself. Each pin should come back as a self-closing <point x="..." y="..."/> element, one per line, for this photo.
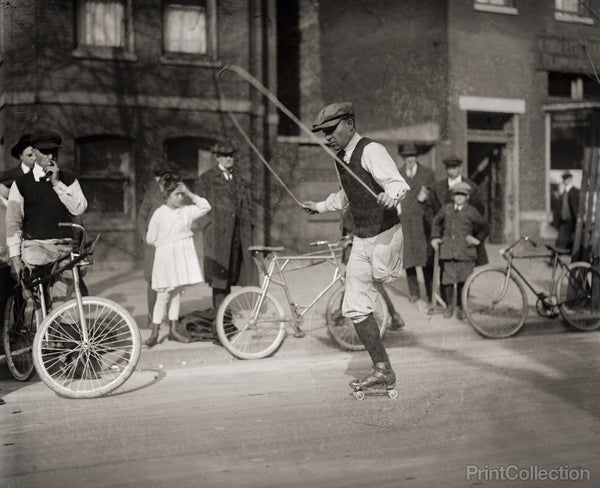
<point x="479" y="296"/>
<point x="74" y="368"/>
<point x="18" y="333"/>
<point x="243" y="337"/>
<point x="578" y="296"/>
<point x="341" y="329"/>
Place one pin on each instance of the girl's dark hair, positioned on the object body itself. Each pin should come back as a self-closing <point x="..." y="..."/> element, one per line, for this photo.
<point x="168" y="182"/>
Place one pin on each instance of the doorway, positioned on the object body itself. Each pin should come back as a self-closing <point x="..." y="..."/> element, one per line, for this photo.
<point x="487" y="169"/>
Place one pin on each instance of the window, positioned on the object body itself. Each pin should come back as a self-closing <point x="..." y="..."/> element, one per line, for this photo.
<point x="573" y="85"/>
<point x="189" y="29"/>
<point x="106" y="177"/>
<point x="572" y="11"/>
<point x="191" y="155"/>
<point x="497" y="6"/>
<point x="104" y="29"/>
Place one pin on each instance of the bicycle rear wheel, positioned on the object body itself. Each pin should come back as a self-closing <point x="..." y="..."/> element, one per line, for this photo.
<point x="76" y="368"/>
<point x="246" y="331"/>
<point x="579" y="296"/>
<point x="18" y="332"/>
<point x="492" y="311"/>
<point x="341" y="329"/>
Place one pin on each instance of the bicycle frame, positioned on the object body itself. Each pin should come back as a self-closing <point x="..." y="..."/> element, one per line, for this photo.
<point x="510" y="267"/>
<point x="274" y="274"/>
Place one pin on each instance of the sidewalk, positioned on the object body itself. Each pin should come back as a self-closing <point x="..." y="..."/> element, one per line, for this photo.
<point x="129" y="289"/>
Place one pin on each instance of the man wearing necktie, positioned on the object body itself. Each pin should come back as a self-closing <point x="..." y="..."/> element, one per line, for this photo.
<point x="376" y="254"/>
<point x="229" y="232"/>
<point x="416" y="221"/>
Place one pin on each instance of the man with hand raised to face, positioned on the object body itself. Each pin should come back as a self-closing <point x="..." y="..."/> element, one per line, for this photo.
<point x="37" y="202"/>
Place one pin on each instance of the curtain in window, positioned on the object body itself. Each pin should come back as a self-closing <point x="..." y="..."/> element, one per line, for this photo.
<point x="568" y="6"/>
<point x="185" y="29"/>
<point x="103" y="23"/>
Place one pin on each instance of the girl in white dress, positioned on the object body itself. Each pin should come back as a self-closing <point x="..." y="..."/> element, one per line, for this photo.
<point x="175" y="262"/>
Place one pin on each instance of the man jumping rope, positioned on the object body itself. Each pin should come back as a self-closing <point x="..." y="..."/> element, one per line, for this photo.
<point x="376" y="254"/>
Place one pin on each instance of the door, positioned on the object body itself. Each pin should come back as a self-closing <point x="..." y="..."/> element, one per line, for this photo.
<point x="487" y="168"/>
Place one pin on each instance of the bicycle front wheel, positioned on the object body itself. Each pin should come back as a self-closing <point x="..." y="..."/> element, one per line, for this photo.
<point x="341" y="329"/>
<point x="248" y="331"/>
<point x="579" y="296"/>
<point x="75" y="367"/>
<point x="495" y="304"/>
<point x="18" y="332"/>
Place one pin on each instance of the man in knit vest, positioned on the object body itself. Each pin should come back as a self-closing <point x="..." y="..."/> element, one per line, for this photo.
<point x="37" y="202"/>
<point x="376" y="254"/>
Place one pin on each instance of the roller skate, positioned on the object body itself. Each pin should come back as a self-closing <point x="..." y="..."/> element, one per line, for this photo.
<point x="380" y="381"/>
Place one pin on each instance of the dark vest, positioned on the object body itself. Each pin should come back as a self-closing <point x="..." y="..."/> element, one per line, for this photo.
<point x="369" y="218"/>
<point x="42" y="209"/>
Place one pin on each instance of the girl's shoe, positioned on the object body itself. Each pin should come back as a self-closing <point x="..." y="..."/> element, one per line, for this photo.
<point x="153" y="339"/>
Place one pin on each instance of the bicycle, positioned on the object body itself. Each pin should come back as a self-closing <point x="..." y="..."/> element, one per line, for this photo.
<point x="85" y="347"/>
<point x="495" y="300"/>
<point x="19" y="326"/>
<point x="251" y="323"/>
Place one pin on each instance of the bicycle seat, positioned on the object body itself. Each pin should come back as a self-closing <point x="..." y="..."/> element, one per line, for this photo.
<point x="557" y="250"/>
<point x="265" y="249"/>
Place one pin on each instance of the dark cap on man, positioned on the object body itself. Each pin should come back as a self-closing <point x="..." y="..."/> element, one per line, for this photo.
<point x="461" y="188"/>
<point x="452" y="161"/>
<point x="566" y="175"/>
<point x="45" y="140"/>
<point x="332" y="114"/>
<point x="223" y="148"/>
<point x="408" y="149"/>
<point x="20" y="146"/>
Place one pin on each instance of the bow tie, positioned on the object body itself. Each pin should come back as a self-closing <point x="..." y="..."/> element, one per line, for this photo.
<point x="340" y="154"/>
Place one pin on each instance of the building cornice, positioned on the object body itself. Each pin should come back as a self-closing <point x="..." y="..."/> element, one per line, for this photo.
<point x="114" y="100"/>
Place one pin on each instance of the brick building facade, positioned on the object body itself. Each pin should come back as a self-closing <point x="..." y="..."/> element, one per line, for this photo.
<point x="508" y="85"/>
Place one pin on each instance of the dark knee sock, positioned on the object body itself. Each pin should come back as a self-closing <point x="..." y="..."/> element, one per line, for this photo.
<point x="449" y="295"/>
<point x="459" y="288"/>
<point x="368" y="332"/>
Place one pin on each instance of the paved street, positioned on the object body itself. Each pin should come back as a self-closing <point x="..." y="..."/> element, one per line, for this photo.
<point x="193" y="416"/>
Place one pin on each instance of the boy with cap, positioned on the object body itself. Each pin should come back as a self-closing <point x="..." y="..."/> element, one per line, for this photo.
<point x="457" y="229"/>
<point x="23" y="152"/>
<point x="377" y="243"/>
<point x="37" y="202"/>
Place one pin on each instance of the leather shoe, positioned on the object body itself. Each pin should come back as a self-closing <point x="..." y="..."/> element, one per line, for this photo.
<point x="448" y="313"/>
<point x="397" y="321"/>
<point x="413" y="298"/>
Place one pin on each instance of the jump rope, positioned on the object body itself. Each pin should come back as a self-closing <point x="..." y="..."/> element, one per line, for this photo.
<point x="273" y="99"/>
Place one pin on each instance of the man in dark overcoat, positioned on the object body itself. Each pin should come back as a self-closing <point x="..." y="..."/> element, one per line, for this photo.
<point x="416" y="221"/>
<point x="229" y="232"/>
<point x="568" y="207"/>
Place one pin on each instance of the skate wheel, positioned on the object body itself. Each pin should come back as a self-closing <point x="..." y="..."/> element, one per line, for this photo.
<point x="359" y="395"/>
<point x="393" y="394"/>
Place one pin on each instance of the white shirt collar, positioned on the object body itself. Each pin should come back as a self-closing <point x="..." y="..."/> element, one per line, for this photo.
<point x="452" y="182"/>
<point x="26" y="169"/>
<point x="38" y="172"/>
<point x="349" y="149"/>
<point x="569" y="186"/>
<point x="226" y="173"/>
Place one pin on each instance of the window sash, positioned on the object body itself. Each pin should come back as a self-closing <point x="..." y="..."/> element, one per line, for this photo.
<point x="185" y="29"/>
<point x="572" y="7"/>
<point x="497" y="3"/>
<point x="103" y="23"/>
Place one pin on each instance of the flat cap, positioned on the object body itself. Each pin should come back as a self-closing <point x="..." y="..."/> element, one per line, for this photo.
<point x="330" y="115"/>
<point x="408" y="150"/>
<point x="45" y="140"/>
<point x="224" y="148"/>
<point x="20" y="146"/>
<point x="461" y="187"/>
<point x="452" y="161"/>
<point x="567" y="175"/>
